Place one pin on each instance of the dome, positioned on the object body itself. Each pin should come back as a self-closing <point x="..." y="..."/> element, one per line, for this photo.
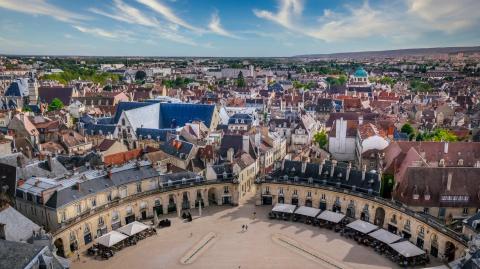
<point x="361" y="73"/>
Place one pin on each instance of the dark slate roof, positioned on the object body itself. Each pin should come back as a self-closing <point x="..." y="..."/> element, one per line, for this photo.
<point x="105" y="120"/>
<point x="87" y="119"/>
<point x="473" y="221"/>
<point x="337" y="89"/>
<point x="181" y="151"/>
<point x="119" y="176"/>
<point x="156" y="134"/>
<point x="276" y="87"/>
<point x="15" y="255"/>
<point x="178" y="176"/>
<point x="247" y="119"/>
<point x="339" y="179"/>
<point x="95" y="129"/>
<point x="122" y="106"/>
<point x="18" y="88"/>
<point x="173" y="115"/>
<point x="47" y="94"/>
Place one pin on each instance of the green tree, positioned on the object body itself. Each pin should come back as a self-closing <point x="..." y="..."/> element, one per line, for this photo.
<point x="407" y="128"/>
<point x="321" y="138"/>
<point x="56" y="104"/>
<point x="140" y="75"/>
<point x="240" y="80"/>
<point x="441" y="135"/>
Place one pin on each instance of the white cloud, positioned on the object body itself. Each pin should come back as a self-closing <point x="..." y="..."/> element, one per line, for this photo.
<point x="393" y="19"/>
<point x="131" y="15"/>
<point x="446" y="15"/>
<point x="126" y="13"/>
<point x="41" y="7"/>
<point x="284" y="16"/>
<point x="168" y="14"/>
<point x="98" y="32"/>
<point x="216" y="27"/>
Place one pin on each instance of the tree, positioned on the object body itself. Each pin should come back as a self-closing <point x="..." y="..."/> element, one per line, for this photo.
<point x="441" y="135"/>
<point x="56" y="104"/>
<point x="140" y="75"/>
<point x="240" y="80"/>
<point x="407" y="128"/>
<point x="321" y="138"/>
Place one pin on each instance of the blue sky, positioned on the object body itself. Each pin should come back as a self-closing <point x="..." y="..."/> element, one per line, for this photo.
<point x="232" y="28"/>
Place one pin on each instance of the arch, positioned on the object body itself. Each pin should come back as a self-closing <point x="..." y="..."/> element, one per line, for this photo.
<point x="87" y="234"/>
<point x="379" y="216"/>
<point x="172" y="203"/>
<point x="420" y="236"/>
<point x="185" y="200"/>
<point x="199" y="198"/>
<point x="59" y="246"/>
<point x="157" y="207"/>
<point x="449" y="251"/>
<point x="143" y="209"/>
<point x="212" y="196"/>
<point x="434" y="245"/>
<point x="351" y="209"/>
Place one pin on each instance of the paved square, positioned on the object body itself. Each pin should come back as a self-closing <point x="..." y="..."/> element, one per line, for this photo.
<point x="216" y="240"/>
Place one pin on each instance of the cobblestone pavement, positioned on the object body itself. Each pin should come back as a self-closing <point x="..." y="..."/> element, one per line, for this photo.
<point x="234" y="248"/>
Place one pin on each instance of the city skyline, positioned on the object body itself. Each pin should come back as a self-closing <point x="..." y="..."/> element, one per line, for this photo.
<point x="220" y="28"/>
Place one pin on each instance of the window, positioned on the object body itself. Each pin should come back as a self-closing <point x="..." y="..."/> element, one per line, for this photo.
<point x="139" y="187"/>
<point x="114" y="216"/>
<point x="281" y="191"/>
<point x="465" y="211"/>
<point x="101" y="222"/>
<point x="123" y="192"/>
<point x="63" y="216"/>
<point x="323" y="196"/>
<point x="267" y="190"/>
<point x="94" y="202"/>
<point x="78" y="208"/>
<point x="426" y="210"/>
<point x="295" y="192"/>
<point x="109" y="196"/>
<point x="225" y="189"/>
<point x="309" y="194"/>
<point x="123" y="122"/>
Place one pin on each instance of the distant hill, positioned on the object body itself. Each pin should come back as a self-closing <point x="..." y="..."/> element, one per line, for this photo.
<point x="393" y="53"/>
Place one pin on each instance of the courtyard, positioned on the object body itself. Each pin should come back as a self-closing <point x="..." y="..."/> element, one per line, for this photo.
<point x="216" y="240"/>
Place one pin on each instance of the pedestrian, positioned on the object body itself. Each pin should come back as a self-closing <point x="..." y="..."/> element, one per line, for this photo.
<point x="243" y="228"/>
<point x="254" y="214"/>
<point x="246" y="227"/>
<point x="78" y="256"/>
<point x="191" y="234"/>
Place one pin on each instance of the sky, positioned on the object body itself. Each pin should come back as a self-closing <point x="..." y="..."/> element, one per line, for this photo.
<point x="245" y="28"/>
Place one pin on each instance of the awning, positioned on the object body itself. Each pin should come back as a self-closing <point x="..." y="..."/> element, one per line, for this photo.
<point x="385" y="236"/>
<point x="331" y="216"/>
<point x="307" y="211"/>
<point x="133" y="228"/>
<point x="406" y="249"/>
<point x="284" y="208"/>
<point x="111" y="238"/>
<point x="362" y="226"/>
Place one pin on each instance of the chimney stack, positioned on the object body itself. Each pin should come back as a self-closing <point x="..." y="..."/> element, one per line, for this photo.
<point x="304" y="167"/>
<point x="334" y="163"/>
<point x="445" y="148"/>
<point x="364" y="170"/>
<point x="230" y="152"/>
<point x="449" y="181"/>
<point x="320" y="168"/>
<point x="349" y="167"/>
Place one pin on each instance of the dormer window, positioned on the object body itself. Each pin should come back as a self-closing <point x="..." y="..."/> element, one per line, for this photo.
<point x="441" y="162"/>
<point x="416" y="196"/>
<point x="460" y="162"/>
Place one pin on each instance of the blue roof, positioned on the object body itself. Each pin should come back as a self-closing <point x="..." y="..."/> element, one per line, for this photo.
<point x="105" y="120"/>
<point x="156" y="134"/>
<point x="95" y="129"/>
<point x="122" y="106"/>
<point x="276" y="87"/>
<point x="173" y="115"/>
<point x="361" y="73"/>
<point x="18" y="88"/>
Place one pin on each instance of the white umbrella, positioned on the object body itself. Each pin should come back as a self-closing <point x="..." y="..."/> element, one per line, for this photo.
<point x="111" y="238"/>
<point x="133" y="228"/>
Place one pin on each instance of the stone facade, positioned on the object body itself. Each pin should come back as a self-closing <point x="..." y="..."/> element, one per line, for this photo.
<point x="420" y="231"/>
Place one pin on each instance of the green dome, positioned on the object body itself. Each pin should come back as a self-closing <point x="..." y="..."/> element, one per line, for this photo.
<point x="361" y="73"/>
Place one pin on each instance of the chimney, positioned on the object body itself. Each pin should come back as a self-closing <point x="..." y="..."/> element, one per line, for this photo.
<point x="334" y="163"/>
<point x="445" y="148"/>
<point x="245" y="143"/>
<point x="20" y="161"/>
<point x="77" y="185"/>
<point x="349" y="167"/>
<point x="364" y="170"/>
<point x="2" y="231"/>
<point x="49" y="162"/>
<point x="304" y="167"/>
<point x="449" y="181"/>
<point x="320" y="168"/>
<point x="230" y="153"/>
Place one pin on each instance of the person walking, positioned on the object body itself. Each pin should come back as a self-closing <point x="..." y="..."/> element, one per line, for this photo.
<point x="243" y="228"/>
<point x="78" y="256"/>
<point x="246" y="227"/>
